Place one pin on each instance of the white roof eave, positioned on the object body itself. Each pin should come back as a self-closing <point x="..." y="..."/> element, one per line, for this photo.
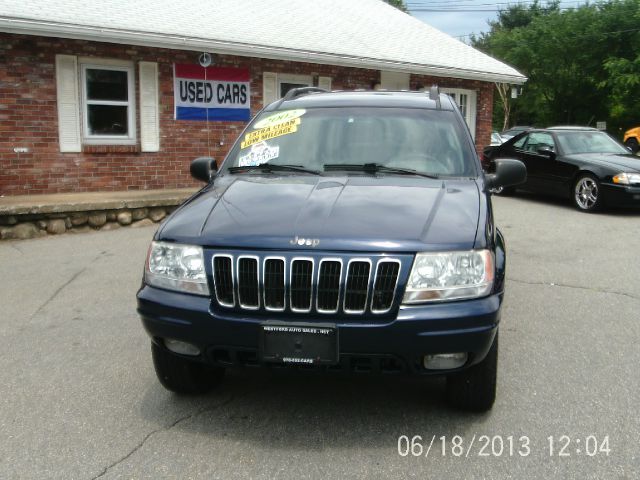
<point x="158" y="40"/>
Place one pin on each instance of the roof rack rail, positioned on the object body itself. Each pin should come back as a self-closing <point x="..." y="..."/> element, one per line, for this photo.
<point x="434" y="94"/>
<point x="299" y="92"/>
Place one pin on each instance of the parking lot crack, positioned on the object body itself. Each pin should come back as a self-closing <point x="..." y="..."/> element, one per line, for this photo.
<point x="577" y="287"/>
<point x="165" y="428"/>
<point x="63" y="286"/>
<point x="168" y="427"/>
<point x="58" y="290"/>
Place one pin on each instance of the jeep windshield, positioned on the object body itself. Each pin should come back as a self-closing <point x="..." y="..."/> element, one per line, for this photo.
<point x="396" y="140"/>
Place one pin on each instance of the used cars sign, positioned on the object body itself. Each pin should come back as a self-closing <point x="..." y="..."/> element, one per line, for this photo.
<point x="211" y="93"/>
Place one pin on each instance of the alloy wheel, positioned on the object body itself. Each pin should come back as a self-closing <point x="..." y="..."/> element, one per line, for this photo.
<point x="586" y="193"/>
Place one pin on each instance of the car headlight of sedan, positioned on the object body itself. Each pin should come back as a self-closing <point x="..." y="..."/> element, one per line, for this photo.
<point x="450" y="276"/>
<point x="627" y="178"/>
<point x="176" y="267"/>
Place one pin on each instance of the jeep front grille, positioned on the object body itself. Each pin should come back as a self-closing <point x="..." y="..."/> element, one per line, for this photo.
<point x="306" y="284"/>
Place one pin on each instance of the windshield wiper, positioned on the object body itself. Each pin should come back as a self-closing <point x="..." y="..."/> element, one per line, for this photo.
<point x="273" y="167"/>
<point x="375" y="168"/>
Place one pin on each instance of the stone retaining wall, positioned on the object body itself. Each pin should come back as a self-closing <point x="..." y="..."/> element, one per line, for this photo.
<point x="22" y="227"/>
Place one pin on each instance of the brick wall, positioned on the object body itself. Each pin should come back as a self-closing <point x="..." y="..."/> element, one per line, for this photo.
<point x="28" y="118"/>
<point x="484" y="107"/>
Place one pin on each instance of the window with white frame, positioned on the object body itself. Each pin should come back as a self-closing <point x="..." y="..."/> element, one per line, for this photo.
<point x="466" y="101"/>
<point x="289" y="82"/>
<point x="394" y="80"/>
<point x="108" y="106"/>
<point x="276" y="85"/>
<point x="97" y="103"/>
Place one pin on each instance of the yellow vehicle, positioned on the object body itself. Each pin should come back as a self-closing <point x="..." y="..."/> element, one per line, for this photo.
<point x="632" y="139"/>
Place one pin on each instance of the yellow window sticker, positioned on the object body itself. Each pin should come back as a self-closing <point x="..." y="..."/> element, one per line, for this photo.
<point x="279" y="117"/>
<point x="270" y="132"/>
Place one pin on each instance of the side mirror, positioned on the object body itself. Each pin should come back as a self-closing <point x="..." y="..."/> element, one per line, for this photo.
<point x="547" y="151"/>
<point x="203" y="169"/>
<point x="508" y="172"/>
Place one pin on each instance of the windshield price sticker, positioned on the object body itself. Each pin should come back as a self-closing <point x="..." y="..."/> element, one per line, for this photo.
<point x="267" y="133"/>
<point x="260" y="153"/>
<point x="280" y="117"/>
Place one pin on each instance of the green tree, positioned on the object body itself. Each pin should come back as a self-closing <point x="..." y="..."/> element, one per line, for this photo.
<point x="499" y="43"/>
<point x="624" y="82"/>
<point x="399" y="4"/>
<point x="623" y="66"/>
<point x="582" y="63"/>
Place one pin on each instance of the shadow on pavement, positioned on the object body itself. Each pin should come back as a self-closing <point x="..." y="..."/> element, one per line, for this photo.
<point x="294" y="410"/>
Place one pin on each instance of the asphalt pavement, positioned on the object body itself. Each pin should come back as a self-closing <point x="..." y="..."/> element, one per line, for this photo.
<point x="79" y="398"/>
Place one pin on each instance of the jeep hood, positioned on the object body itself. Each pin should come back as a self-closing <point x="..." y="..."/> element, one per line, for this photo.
<point x="354" y="213"/>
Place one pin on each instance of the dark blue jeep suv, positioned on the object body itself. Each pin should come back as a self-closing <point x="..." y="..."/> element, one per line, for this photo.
<point x="343" y="231"/>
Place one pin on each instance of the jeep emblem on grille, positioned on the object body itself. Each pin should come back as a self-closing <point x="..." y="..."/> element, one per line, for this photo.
<point x="309" y="242"/>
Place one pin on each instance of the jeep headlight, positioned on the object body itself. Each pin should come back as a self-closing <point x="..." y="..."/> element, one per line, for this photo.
<point x="450" y="276"/>
<point x="627" y="178"/>
<point x="176" y="267"/>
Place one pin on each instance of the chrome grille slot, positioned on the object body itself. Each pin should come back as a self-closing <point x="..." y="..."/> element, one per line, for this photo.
<point x="248" y="288"/>
<point x="384" y="286"/>
<point x="301" y="284"/>
<point x="274" y="284"/>
<point x="328" y="296"/>
<point x="223" y="279"/>
<point x="355" y="296"/>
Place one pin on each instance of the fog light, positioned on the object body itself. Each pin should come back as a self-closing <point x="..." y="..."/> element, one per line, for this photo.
<point x="182" y="348"/>
<point x="445" y="361"/>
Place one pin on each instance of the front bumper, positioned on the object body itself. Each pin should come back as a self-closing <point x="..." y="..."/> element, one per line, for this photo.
<point x="626" y="196"/>
<point x="397" y="345"/>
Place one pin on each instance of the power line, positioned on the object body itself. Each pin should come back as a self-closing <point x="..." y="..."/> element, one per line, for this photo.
<point x="462" y="10"/>
<point x="445" y="6"/>
<point x="514" y="2"/>
<point x="422" y="7"/>
<point x="590" y="34"/>
<point x="492" y="4"/>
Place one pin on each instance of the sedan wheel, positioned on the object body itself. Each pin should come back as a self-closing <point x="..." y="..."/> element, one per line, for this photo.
<point x="586" y="193"/>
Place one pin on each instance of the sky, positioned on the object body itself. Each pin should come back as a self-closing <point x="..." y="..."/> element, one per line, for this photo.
<point x="454" y="23"/>
<point x="459" y="18"/>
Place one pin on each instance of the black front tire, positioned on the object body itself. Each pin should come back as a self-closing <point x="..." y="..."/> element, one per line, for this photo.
<point x="474" y="389"/>
<point x="181" y="375"/>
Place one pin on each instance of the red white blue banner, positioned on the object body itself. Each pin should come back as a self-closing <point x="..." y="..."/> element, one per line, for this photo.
<point x="212" y="93"/>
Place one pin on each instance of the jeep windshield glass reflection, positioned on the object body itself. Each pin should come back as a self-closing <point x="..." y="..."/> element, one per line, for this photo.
<point x="428" y="142"/>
